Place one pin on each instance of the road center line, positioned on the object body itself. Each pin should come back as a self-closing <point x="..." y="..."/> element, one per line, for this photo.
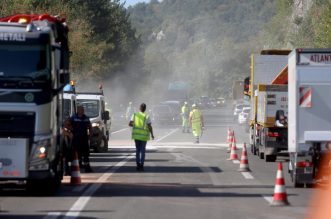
<point x="52" y="215"/>
<point x="167" y="135"/>
<point x="268" y="198"/>
<point x="121" y="130"/>
<point x="247" y="175"/>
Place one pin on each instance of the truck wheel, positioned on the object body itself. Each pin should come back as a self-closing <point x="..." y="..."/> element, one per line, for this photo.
<point x="43" y="187"/>
<point x="270" y="158"/>
<point x="296" y="184"/>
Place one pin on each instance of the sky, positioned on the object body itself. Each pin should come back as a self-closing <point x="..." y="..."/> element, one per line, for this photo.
<point x="133" y="2"/>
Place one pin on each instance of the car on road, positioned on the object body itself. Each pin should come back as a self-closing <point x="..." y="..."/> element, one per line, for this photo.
<point x="244" y="115"/>
<point x="162" y="114"/>
<point x="176" y="109"/>
<point x="220" y="102"/>
<point x="238" y="109"/>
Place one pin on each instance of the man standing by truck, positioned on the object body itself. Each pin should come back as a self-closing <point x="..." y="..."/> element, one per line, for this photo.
<point x="141" y="131"/>
<point x="196" y="121"/>
<point x="81" y="130"/>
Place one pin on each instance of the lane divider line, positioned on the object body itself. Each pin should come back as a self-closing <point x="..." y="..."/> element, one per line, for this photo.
<point x="268" y="198"/>
<point x="52" y="215"/>
<point x="121" y="130"/>
<point x="167" y="135"/>
<point x="236" y="161"/>
<point x="247" y="175"/>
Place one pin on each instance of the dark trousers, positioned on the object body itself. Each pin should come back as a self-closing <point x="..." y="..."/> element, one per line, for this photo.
<point x="140" y="151"/>
<point x="83" y="151"/>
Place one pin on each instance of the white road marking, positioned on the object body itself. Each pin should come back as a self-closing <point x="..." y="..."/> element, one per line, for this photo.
<point x="167" y="135"/>
<point x="52" y="215"/>
<point x="268" y="198"/>
<point x="236" y="161"/>
<point x="121" y="130"/>
<point x="247" y="175"/>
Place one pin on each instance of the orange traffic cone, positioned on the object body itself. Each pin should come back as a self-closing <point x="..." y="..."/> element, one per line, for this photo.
<point x="234" y="141"/>
<point x="75" y="171"/>
<point x="244" y="161"/>
<point x="280" y="196"/>
<point x="233" y="153"/>
<point x="229" y="140"/>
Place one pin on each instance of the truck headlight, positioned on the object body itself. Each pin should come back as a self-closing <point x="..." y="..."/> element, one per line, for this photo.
<point x="39" y="159"/>
<point x="95" y="124"/>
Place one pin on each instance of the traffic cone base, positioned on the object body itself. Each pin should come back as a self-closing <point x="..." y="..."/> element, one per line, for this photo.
<point x="244" y="160"/>
<point x="280" y="196"/>
<point x="75" y="171"/>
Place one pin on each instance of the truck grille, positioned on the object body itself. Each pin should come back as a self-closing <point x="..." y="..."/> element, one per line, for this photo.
<point x="17" y="125"/>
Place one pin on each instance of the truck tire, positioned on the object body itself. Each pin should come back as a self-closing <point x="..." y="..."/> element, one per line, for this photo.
<point x="296" y="184"/>
<point x="270" y="158"/>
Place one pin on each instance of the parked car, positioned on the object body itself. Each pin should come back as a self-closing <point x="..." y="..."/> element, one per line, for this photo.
<point x="244" y="115"/>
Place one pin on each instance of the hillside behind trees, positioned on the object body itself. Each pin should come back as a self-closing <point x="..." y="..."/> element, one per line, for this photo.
<point x="208" y="42"/>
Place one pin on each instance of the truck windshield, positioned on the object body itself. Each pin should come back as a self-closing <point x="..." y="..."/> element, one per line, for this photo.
<point x="92" y="107"/>
<point x="29" y="61"/>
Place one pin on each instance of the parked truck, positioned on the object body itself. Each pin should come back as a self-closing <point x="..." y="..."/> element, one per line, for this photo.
<point x="309" y="89"/>
<point x="271" y="124"/>
<point x="95" y="109"/>
<point x="264" y="68"/>
<point x="34" y="68"/>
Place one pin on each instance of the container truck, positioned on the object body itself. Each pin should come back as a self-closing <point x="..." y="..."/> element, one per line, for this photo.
<point x="34" y="68"/>
<point x="309" y="114"/>
<point x="264" y="68"/>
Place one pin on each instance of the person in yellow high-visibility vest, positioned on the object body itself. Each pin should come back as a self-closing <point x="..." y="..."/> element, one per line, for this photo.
<point x="141" y="132"/>
<point x="185" y="118"/>
<point x="196" y="121"/>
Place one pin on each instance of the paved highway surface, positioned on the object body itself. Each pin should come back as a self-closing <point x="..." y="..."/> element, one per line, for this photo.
<point x="181" y="180"/>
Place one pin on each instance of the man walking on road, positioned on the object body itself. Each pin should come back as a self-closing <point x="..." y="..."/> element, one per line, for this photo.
<point x="81" y="130"/>
<point x="196" y="121"/>
<point x="141" y="132"/>
<point x="185" y="117"/>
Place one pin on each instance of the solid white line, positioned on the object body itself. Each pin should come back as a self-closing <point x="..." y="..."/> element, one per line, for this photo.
<point x="52" y="215"/>
<point x="167" y="135"/>
<point x="268" y="198"/>
<point x="80" y="204"/>
<point x="121" y="130"/>
<point x="236" y="161"/>
<point x="247" y="175"/>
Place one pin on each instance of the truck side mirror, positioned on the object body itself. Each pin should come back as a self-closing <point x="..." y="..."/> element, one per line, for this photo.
<point x="106" y="116"/>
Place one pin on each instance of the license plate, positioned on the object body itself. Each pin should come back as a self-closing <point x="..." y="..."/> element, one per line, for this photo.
<point x="308" y="170"/>
<point x="272" y="139"/>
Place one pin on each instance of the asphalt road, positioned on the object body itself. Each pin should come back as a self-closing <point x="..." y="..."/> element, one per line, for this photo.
<point x="181" y="180"/>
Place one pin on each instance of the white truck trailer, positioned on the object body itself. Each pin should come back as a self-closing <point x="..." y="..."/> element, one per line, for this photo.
<point x="309" y="115"/>
<point x="271" y="120"/>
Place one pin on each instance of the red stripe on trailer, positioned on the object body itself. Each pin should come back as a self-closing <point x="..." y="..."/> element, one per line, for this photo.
<point x="305" y="96"/>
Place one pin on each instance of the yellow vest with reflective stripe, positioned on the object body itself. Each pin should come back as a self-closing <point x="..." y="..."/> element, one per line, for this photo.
<point x="196" y="117"/>
<point x="140" y="129"/>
